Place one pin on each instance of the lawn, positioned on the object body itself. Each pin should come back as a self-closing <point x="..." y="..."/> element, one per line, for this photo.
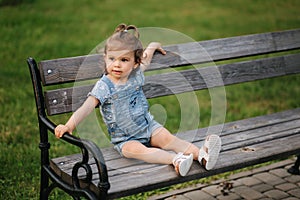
<point x="53" y="29"/>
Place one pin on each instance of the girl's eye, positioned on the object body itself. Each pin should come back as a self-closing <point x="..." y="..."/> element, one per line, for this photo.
<point x="124" y="60"/>
<point x="111" y="58"/>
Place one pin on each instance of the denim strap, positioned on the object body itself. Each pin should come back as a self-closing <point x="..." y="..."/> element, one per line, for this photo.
<point x="108" y="82"/>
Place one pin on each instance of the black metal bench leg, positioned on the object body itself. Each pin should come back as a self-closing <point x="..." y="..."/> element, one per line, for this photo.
<point x="45" y="188"/>
<point x="295" y="168"/>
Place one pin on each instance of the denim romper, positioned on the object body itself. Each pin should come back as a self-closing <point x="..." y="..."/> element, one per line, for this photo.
<point x="124" y="109"/>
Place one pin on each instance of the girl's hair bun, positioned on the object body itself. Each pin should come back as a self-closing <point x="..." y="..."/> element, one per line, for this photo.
<point x="123" y="28"/>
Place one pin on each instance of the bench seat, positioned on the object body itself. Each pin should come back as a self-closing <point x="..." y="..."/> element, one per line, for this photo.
<point x="244" y="143"/>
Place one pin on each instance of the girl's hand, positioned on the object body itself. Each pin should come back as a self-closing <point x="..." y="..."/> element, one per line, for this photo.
<point x="84" y="110"/>
<point x="148" y="54"/>
<point x="156" y="46"/>
<point x="60" y="130"/>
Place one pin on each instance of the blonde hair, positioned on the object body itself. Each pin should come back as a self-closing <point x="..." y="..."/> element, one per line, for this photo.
<point x="125" y="37"/>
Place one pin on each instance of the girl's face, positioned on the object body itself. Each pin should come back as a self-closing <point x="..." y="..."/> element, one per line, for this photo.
<point x="119" y="65"/>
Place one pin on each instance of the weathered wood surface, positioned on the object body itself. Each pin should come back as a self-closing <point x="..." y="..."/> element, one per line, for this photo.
<point x="209" y="77"/>
<point x="69" y="99"/>
<point x="92" y="66"/>
<point x="244" y="143"/>
<point x="65" y="70"/>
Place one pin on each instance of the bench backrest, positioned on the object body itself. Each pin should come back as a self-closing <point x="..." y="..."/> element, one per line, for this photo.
<point x="64" y="71"/>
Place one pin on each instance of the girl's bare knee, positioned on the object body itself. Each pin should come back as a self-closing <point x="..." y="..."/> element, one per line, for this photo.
<point x="131" y="148"/>
<point x="162" y="138"/>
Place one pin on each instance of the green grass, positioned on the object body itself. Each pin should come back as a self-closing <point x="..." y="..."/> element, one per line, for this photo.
<point x="52" y="29"/>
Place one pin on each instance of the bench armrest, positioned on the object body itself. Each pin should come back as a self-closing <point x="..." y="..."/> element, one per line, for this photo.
<point x="87" y="148"/>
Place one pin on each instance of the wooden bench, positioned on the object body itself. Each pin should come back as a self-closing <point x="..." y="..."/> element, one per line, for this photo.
<point x="100" y="174"/>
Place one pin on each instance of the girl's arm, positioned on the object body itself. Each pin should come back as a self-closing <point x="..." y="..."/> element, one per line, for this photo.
<point x="87" y="107"/>
<point x="148" y="54"/>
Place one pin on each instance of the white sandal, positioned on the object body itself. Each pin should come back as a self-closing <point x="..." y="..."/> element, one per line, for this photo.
<point x="213" y="145"/>
<point x="182" y="163"/>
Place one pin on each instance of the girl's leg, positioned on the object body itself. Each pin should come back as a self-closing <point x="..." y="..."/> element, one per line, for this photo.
<point x="135" y="149"/>
<point x="162" y="138"/>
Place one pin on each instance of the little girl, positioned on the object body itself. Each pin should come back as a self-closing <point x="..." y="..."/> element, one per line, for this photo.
<point x="124" y="108"/>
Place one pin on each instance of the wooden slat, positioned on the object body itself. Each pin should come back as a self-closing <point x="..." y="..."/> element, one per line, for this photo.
<point x="66" y="100"/>
<point x="209" y="77"/>
<point x="244" y="125"/>
<point x="91" y="66"/>
<point x="267" y="136"/>
<point x="64" y="70"/>
<point x="60" y="101"/>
